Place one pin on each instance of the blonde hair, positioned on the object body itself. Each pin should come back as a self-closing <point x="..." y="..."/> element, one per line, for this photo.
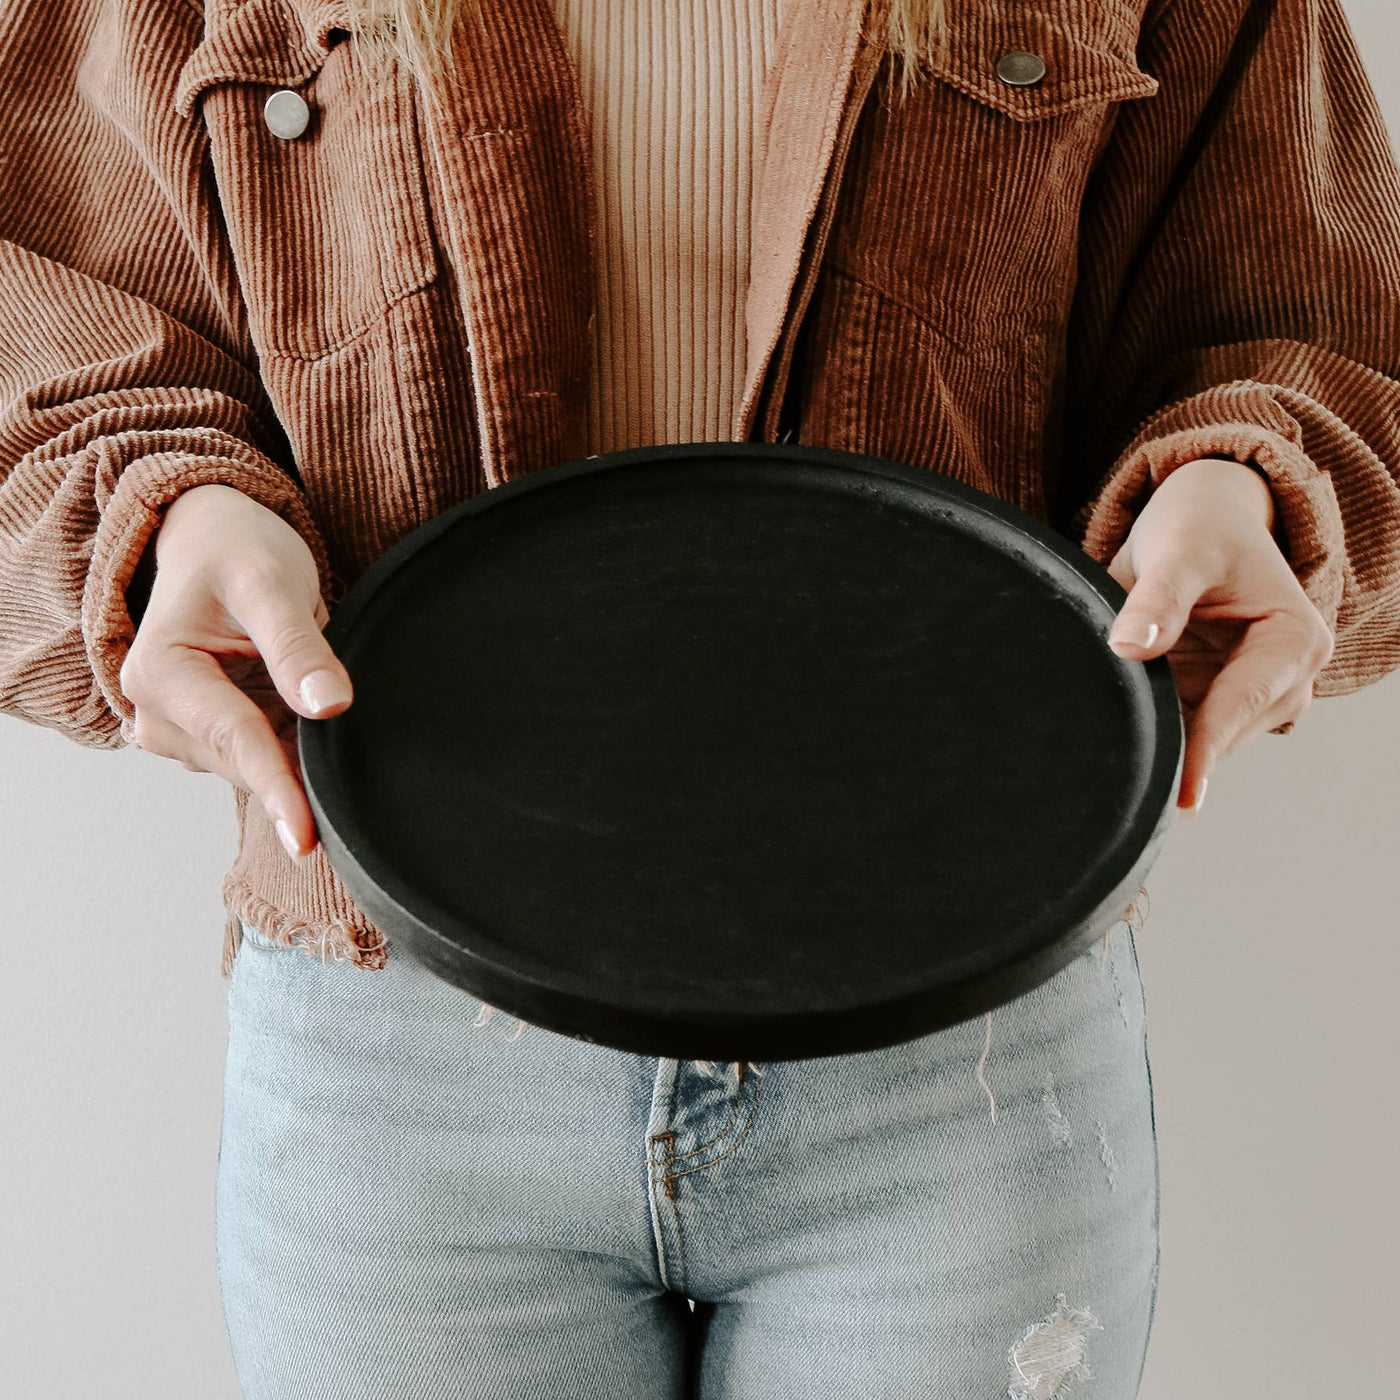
<point x="418" y="32"/>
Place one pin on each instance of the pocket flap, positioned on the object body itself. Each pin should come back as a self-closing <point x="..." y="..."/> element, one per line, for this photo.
<point x="1089" y="56"/>
<point x="260" y="41"/>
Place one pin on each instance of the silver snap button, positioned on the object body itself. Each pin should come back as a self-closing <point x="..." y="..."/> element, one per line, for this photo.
<point x="286" y="114"/>
<point x="1020" y="69"/>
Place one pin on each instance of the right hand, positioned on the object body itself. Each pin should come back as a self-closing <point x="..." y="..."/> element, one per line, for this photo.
<point x="230" y="635"/>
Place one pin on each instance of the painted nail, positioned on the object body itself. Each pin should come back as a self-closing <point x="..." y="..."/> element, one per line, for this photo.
<point x="284" y="834"/>
<point x="1136" y="633"/>
<point x="322" y="689"/>
<point x="1200" y="797"/>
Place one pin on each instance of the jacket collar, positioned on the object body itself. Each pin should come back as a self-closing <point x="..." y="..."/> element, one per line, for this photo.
<point x="826" y="58"/>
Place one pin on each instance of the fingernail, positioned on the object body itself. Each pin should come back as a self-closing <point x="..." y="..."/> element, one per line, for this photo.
<point x="284" y="834"/>
<point x="1200" y="797"/>
<point x="1135" y="632"/>
<point x="322" y="689"/>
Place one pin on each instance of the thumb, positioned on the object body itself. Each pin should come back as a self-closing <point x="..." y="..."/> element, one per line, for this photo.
<point x="1154" y="616"/>
<point x="299" y="660"/>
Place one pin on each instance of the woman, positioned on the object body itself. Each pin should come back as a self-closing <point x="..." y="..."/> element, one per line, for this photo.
<point x="289" y="277"/>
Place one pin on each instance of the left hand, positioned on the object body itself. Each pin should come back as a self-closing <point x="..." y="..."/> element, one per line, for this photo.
<point x="1201" y="551"/>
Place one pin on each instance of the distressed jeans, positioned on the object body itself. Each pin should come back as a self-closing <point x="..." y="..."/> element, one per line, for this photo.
<point x="421" y="1198"/>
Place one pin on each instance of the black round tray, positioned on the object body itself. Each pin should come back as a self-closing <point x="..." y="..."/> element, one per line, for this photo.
<point x="737" y="751"/>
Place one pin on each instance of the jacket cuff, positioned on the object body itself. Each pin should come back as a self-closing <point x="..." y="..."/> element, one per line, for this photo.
<point x="132" y="513"/>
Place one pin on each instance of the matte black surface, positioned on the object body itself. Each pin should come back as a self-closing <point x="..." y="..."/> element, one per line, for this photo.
<point x="739" y="751"/>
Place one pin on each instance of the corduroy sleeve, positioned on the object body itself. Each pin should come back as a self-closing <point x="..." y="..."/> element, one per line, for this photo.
<point x="115" y="395"/>
<point x="1239" y="297"/>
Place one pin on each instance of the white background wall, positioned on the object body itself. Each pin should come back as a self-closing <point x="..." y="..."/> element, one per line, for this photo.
<point x="1271" y="959"/>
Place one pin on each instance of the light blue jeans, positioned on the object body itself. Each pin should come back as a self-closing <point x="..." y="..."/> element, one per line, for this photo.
<point x="421" y="1198"/>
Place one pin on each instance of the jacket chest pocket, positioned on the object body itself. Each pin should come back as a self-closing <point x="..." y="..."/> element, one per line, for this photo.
<point x="963" y="201"/>
<point x="329" y="228"/>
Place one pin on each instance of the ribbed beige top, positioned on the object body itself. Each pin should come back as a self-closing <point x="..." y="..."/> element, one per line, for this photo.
<point x="672" y="90"/>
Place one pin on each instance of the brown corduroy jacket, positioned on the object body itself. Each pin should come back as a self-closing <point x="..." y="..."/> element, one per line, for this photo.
<point x="1183" y="242"/>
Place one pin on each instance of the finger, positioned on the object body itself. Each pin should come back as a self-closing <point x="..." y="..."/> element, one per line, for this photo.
<point x="1156" y="611"/>
<point x="156" y="736"/>
<point x="232" y="737"/>
<point x="285" y="629"/>
<point x="289" y="748"/>
<point x="1120" y="568"/>
<point x="286" y="732"/>
<point x="252" y="679"/>
<point x="1261" y="686"/>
